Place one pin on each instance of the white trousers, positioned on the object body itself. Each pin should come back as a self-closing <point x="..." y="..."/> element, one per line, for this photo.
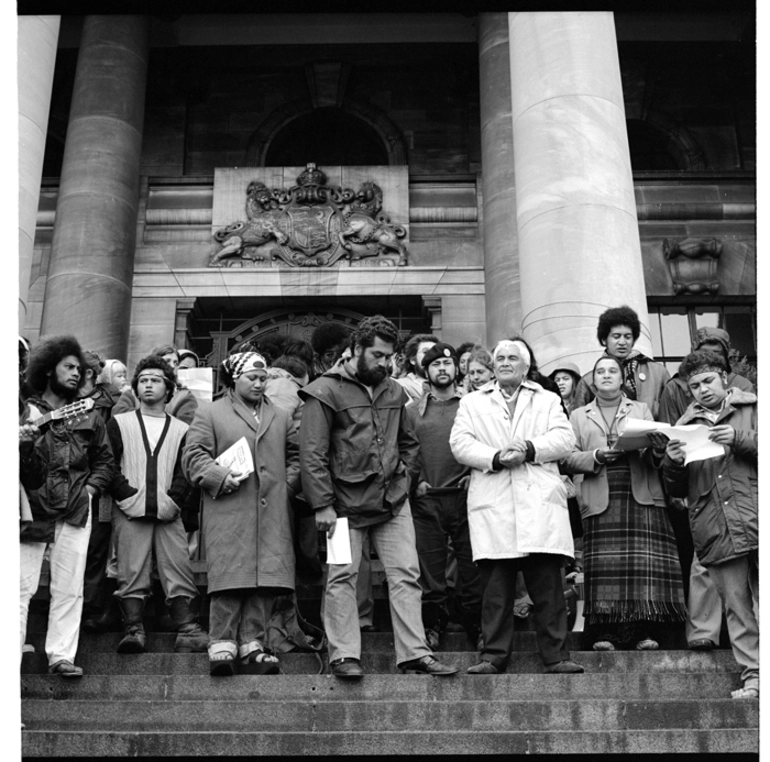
<point x="67" y="567"/>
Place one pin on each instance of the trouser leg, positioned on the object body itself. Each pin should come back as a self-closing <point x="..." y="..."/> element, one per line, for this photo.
<point x="225" y="617"/>
<point x="431" y="545"/>
<point x="96" y="563"/>
<point x="468" y="593"/>
<point x="340" y="612"/>
<point x="498" y="583"/>
<point x="173" y="562"/>
<point x="31" y="562"/>
<point x="255" y="614"/>
<point x="395" y="545"/>
<point x="704" y="607"/>
<point x="543" y="577"/>
<point x="364" y="592"/>
<point x="67" y="565"/>
<point x="133" y="547"/>
<point x="737" y="582"/>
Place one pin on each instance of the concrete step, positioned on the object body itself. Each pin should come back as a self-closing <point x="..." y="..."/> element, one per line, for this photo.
<point x="327" y="716"/>
<point x="371" y="642"/>
<point x="325" y="688"/>
<point x="55" y="743"/>
<point x="108" y="663"/>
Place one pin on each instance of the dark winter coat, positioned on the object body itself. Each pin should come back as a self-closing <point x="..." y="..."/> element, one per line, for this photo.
<point x="78" y="455"/>
<point x="355" y="450"/>
<point x="722" y="492"/>
<point x="247" y="534"/>
<point x="676" y="396"/>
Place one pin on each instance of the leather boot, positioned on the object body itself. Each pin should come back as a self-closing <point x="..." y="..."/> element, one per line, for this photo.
<point x="109" y="620"/>
<point x="191" y="637"/>
<point x="135" y="640"/>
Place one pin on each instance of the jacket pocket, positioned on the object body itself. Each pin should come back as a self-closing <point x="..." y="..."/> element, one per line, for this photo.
<point x="398" y="488"/>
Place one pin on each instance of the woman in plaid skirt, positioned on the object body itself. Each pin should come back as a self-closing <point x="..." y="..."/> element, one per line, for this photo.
<point x="633" y="581"/>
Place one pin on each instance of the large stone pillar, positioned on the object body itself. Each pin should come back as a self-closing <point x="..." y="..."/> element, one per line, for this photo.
<point x="501" y="266"/>
<point x="36" y="56"/>
<point x="88" y="291"/>
<point x="579" y="250"/>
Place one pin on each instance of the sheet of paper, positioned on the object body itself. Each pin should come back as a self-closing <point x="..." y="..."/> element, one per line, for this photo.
<point x="694" y="438"/>
<point x="200" y="381"/>
<point x="238" y="459"/>
<point x="338" y="545"/>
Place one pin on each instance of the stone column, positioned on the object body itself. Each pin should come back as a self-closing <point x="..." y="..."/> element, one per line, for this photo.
<point x="501" y="266"/>
<point x="36" y="56"/>
<point x="88" y="291"/>
<point x="579" y="249"/>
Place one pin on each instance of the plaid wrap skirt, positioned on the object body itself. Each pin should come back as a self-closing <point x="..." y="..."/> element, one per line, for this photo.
<point x="631" y="564"/>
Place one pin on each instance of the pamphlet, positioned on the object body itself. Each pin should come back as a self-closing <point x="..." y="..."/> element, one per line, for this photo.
<point x="238" y="459"/>
<point x="338" y="545"/>
<point x="694" y="437"/>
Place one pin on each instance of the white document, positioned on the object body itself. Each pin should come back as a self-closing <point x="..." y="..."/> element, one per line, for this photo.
<point x="694" y="437"/>
<point x="338" y="545"/>
<point x="238" y="459"/>
<point x="200" y="381"/>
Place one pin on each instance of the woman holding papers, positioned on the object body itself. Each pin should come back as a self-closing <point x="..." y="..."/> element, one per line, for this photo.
<point x="633" y="582"/>
<point x="246" y="522"/>
<point x="723" y="501"/>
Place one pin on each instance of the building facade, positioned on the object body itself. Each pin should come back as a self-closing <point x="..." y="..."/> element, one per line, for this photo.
<point x="199" y="179"/>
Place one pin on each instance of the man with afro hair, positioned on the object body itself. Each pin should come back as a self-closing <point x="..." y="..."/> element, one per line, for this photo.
<point x="644" y="379"/>
<point x="329" y="341"/>
<point x="80" y="466"/>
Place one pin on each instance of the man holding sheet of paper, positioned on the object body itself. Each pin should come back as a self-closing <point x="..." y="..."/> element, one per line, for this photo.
<point x="356" y="450"/>
<point x="722" y="500"/>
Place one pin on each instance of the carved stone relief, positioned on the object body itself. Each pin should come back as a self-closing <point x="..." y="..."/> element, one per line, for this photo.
<point x="311" y="224"/>
<point x="693" y="264"/>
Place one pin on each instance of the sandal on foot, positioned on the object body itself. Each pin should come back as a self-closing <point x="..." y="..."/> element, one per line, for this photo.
<point x="260" y="663"/>
<point x="221" y="664"/>
<point x="648" y="644"/>
<point x="603" y="645"/>
<point x="749" y="692"/>
<point x="65" y="669"/>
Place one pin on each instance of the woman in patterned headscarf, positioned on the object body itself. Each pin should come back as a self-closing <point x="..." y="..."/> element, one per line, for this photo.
<point x="246" y="520"/>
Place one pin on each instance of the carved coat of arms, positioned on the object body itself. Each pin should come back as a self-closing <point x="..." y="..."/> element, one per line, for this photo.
<point x="311" y="224"/>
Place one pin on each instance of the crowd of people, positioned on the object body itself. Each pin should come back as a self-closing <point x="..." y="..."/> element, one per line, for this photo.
<point x="482" y="485"/>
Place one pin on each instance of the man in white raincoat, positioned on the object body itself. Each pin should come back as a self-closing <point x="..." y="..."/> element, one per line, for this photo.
<point x="513" y="433"/>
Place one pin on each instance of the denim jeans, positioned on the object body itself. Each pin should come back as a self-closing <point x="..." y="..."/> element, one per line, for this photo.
<point x="239" y="618"/>
<point x="395" y="545"/>
<point x="67" y="566"/>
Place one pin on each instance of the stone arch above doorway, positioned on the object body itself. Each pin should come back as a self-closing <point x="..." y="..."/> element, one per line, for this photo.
<point x="262" y="138"/>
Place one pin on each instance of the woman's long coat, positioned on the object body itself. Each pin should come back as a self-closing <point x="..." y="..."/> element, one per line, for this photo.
<point x="247" y="534"/>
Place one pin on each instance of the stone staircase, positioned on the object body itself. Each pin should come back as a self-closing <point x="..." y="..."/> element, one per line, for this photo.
<point x="166" y="704"/>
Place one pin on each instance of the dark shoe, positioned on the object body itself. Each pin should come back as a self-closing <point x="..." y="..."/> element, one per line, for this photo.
<point x="427" y="665"/>
<point x="370" y="628"/>
<point x="483" y="668"/>
<point x="702" y="644"/>
<point x="432" y="638"/>
<point x="566" y="667"/>
<point x="135" y="640"/>
<point x="348" y="669"/>
<point x="65" y="669"/>
<point x="191" y="638"/>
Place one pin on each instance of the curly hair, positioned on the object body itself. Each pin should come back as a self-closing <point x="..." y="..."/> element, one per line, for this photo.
<point x="47" y="355"/>
<point x="270" y="346"/>
<point x="617" y="316"/>
<point x="157" y="362"/>
<point x="466" y="346"/>
<point x="327" y="336"/>
<point x="370" y="327"/>
<point x="94" y="362"/>
<point x="703" y="361"/>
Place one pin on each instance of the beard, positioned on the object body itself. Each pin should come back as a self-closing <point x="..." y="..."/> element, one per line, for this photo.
<point x="60" y="390"/>
<point x="370" y="376"/>
<point x="444" y="382"/>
